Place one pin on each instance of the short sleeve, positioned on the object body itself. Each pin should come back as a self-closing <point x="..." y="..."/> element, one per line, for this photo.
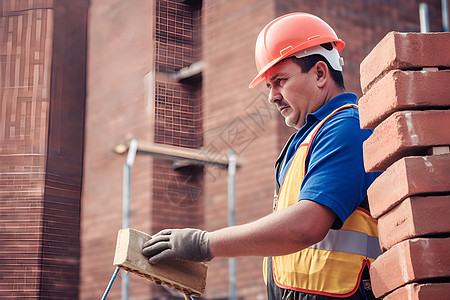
<point x="335" y="174"/>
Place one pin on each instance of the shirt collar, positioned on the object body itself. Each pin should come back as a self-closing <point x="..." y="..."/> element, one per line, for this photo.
<point x="330" y="106"/>
<point x="323" y="112"/>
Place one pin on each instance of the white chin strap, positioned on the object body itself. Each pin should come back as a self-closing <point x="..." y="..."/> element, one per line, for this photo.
<point x="332" y="56"/>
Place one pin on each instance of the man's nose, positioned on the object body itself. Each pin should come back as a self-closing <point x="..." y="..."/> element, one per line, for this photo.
<point x="274" y="95"/>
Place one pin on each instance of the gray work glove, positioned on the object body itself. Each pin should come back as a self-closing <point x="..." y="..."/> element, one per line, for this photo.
<point x="185" y="244"/>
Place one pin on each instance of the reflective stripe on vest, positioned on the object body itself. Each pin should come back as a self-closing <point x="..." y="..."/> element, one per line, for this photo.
<point x="333" y="266"/>
<point x="350" y="241"/>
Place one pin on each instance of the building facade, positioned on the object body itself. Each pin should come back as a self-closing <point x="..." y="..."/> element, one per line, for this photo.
<point x="80" y="77"/>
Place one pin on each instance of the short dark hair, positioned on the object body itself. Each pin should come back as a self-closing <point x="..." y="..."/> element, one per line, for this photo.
<point x="306" y="63"/>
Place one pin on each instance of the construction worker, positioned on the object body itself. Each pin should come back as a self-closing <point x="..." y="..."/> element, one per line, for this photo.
<point x="321" y="238"/>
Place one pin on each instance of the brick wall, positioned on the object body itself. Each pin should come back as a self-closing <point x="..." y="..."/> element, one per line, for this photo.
<point x="240" y="119"/>
<point x="119" y="102"/>
<point x="406" y="100"/>
<point x="42" y="110"/>
<point x="177" y="200"/>
<point x="23" y="146"/>
<point x="135" y="49"/>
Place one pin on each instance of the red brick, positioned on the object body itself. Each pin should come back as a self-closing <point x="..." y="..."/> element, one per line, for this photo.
<point x="416" y="291"/>
<point x="405" y="51"/>
<point x="405" y="133"/>
<point x="414" y="217"/>
<point x="407" y="177"/>
<point x="403" y="90"/>
<point x="420" y="259"/>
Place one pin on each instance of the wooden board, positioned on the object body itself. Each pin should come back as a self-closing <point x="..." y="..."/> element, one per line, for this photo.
<point x="187" y="277"/>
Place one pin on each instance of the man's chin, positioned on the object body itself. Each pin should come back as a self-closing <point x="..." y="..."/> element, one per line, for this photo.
<point x="293" y="124"/>
<point x="286" y="121"/>
<point x="289" y="124"/>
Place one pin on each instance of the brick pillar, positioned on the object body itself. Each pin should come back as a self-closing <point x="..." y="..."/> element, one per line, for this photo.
<point x="42" y="77"/>
<point x="405" y="82"/>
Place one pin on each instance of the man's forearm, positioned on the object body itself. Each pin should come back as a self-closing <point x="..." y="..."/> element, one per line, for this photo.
<point x="283" y="232"/>
<point x="287" y="231"/>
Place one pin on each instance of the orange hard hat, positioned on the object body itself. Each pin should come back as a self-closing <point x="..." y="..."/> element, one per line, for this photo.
<point x="286" y="36"/>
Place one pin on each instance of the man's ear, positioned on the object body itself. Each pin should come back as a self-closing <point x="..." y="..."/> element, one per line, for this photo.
<point x="322" y="73"/>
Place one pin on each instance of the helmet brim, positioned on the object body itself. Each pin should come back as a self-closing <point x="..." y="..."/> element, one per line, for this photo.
<point x="261" y="77"/>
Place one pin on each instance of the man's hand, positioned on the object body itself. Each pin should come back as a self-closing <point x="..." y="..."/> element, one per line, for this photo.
<point x="185" y="244"/>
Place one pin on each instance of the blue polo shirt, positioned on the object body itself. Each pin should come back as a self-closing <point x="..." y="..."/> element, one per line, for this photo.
<point x="335" y="175"/>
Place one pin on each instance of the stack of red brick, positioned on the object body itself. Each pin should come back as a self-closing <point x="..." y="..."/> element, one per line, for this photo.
<point x="406" y="86"/>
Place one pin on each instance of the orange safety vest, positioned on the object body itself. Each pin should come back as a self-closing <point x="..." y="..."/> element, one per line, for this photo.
<point x="332" y="267"/>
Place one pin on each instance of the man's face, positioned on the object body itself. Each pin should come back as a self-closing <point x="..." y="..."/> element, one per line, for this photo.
<point x="295" y="94"/>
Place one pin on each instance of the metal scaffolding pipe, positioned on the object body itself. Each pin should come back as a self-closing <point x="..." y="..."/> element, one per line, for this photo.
<point x="423" y="18"/>
<point x="175" y="154"/>
<point x="231" y="220"/>
<point x="126" y="205"/>
<point x="444" y="8"/>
